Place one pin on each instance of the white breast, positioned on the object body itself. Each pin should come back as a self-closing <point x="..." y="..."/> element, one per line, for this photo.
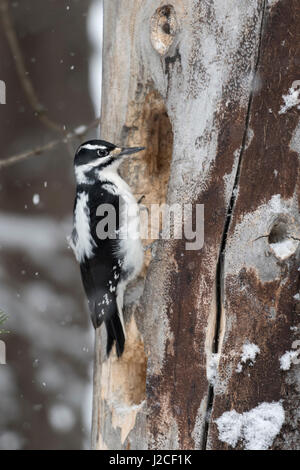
<point x="82" y="241"/>
<point x="130" y="244"/>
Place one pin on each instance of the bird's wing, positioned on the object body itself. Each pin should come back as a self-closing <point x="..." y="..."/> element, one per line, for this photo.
<point x="100" y="273"/>
<point x="102" y="302"/>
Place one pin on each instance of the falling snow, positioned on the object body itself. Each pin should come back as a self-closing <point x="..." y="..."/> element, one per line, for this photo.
<point x="36" y="199"/>
<point x="80" y="130"/>
<point x="61" y="418"/>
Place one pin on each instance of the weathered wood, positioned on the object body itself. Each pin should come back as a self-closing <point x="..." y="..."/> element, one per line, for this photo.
<point x="259" y="306"/>
<point x="180" y="78"/>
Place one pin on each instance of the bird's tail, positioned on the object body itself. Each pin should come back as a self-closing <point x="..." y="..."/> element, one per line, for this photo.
<point x="115" y="333"/>
<point x="107" y="311"/>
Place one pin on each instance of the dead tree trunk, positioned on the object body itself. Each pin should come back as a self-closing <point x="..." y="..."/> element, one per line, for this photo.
<point x="209" y="88"/>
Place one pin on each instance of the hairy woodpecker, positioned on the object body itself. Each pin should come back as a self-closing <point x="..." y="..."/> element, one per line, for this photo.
<point x="107" y="265"/>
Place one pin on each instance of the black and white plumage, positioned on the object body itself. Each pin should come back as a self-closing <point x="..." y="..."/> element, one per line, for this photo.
<point x="107" y="265"/>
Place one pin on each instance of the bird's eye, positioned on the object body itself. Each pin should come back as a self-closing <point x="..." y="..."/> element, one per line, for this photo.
<point x="102" y="153"/>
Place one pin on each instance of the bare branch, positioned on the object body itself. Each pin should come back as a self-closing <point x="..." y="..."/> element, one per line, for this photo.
<point x="76" y="133"/>
<point x="26" y="83"/>
<point x="32" y="97"/>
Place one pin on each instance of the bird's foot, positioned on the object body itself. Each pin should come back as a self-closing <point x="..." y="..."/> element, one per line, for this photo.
<point x="141" y="199"/>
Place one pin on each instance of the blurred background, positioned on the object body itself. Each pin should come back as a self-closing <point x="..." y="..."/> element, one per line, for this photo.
<point x="51" y="63"/>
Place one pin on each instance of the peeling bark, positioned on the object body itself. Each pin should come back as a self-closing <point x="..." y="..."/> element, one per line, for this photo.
<point x="194" y="82"/>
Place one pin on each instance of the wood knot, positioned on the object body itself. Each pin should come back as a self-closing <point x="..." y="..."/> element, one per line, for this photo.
<point x="164" y="27"/>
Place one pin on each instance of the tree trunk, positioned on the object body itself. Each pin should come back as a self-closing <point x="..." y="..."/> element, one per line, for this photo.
<point x="209" y="88"/>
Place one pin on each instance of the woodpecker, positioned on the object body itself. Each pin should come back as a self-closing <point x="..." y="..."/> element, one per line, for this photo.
<point x="107" y="264"/>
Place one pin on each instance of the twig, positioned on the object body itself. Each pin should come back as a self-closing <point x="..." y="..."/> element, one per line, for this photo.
<point x="26" y="83"/>
<point x="32" y="97"/>
<point x="78" y="132"/>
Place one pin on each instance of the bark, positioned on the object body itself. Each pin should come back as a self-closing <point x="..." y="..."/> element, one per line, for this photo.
<point x="200" y="84"/>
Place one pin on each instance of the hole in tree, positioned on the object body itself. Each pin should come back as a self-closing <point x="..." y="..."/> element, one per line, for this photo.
<point x="164" y="27"/>
<point x="166" y="10"/>
<point x="148" y="173"/>
<point x="279" y="232"/>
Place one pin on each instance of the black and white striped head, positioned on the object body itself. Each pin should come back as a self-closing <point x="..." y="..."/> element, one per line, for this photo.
<point x="96" y="155"/>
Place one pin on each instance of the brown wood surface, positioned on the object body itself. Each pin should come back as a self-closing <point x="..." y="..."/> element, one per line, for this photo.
<point x="200" y="84"/>
<point x="259" y="306"/>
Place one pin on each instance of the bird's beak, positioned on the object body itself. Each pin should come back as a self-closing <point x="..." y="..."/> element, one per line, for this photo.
<point x="118" y="152"/>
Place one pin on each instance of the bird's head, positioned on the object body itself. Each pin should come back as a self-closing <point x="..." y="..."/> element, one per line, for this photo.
<point x="96" y="155"/>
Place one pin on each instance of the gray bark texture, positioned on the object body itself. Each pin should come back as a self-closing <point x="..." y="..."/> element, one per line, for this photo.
<point x="203" y="85"/>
